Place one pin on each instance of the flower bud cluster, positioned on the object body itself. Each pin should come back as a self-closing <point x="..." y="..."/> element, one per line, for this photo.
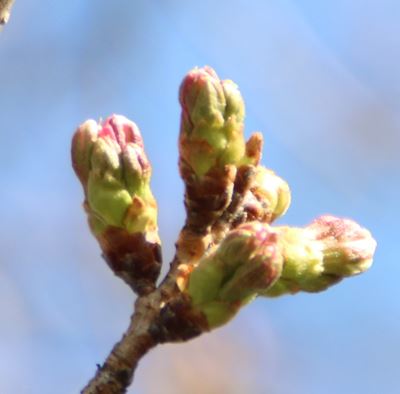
<point x="227" y="252"/>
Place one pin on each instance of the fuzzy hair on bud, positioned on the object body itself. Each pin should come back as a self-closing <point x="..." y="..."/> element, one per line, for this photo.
<point x="348" y="248"/>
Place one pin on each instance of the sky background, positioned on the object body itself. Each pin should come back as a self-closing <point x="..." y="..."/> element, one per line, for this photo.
<point x="320" y="79"/>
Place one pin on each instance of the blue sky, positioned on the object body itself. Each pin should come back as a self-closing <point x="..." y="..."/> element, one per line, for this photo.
<point x="320" y="80"/>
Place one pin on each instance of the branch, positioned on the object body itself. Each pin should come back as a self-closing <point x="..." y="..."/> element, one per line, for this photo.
<point x="164" y="315"/>
<point x="5" y="10"/>
<point x="117" y="372"/>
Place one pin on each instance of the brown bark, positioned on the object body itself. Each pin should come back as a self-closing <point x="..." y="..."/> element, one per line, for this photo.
<point x="165" y="315"/>
<point x="116" y="374"/>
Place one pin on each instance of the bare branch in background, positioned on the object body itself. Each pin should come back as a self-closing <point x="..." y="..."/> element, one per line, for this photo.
<point x="5" y="10"/>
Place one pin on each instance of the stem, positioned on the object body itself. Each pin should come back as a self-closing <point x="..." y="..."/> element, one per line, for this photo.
<point x="116" y="374"/>
<point x="144" y="333"/>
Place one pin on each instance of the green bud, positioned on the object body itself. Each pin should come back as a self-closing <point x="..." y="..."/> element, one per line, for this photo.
<point x="211" y="123"/>
<point x="245" y="263"/>
<point x="268" y="198"/>
<point x="321" y="254"/>
<point x="273" y="190"/>
<point x="110" y="161"/>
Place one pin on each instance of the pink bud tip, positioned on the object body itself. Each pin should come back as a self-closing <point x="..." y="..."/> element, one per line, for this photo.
<point x="344" y="235"/>
<point x="194" y="82"/>
<point x="121" y="130"/>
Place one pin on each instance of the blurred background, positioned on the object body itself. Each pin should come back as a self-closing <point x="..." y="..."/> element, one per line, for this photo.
<point x="321" y="80"/>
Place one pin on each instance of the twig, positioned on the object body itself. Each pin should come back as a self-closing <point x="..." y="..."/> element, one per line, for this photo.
<point x="5" y="10"/>
<point x="163" y="315"/>
<point x="116" y="374"/>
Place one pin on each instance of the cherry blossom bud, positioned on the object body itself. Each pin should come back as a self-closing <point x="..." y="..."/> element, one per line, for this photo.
<point x="110" y="161"/>
<point x="247" y="261"/>
<point x="322" y="254"/>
